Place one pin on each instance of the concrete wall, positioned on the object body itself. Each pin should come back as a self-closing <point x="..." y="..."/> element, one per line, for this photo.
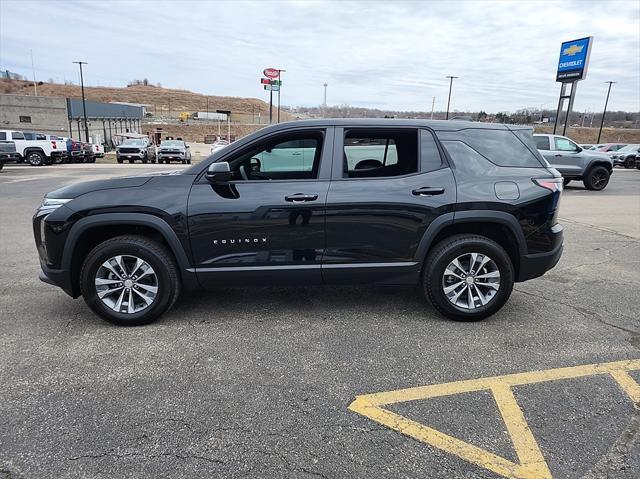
<point x="47" y="114"/>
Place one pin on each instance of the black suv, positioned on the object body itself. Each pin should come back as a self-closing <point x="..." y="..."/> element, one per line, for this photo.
<point x="463" y="209"/>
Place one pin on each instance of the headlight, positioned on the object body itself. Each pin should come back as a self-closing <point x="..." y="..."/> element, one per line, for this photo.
<point x="53" y="203"/>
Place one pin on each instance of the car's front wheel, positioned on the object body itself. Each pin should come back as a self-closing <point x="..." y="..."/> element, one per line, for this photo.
<point x="129" y="280"/>
<point x="629" y="162"/>
<point x="468" y="277"/>
<point x="597" y="178"/>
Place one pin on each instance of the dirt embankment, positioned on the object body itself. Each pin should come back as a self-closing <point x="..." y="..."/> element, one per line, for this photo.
<point x="163" y="101"/>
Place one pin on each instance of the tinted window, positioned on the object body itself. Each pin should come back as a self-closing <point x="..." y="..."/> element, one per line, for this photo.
<point x="467" y="160"/>
<point x="501" y="147"/>
<point x="380" y="153"/>
<point x="292" y="157"/>
<point x="3" y="135"/>
<point x="542" y="142"/>
<point x="564" y="144"/>
<point x="429" y="154"/>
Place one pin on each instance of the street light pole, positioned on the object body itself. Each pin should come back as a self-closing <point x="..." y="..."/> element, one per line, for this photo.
<point x="84" y="105"/>
<point x="324" y="101"/>
<point x="449" y="100"/>
<point x="606" y="102"/>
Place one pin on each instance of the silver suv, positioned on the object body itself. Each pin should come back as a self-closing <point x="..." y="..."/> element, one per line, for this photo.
<point x="593" y="168"/>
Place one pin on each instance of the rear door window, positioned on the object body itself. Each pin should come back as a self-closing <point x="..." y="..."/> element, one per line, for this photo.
<point x="542" y="142"/>
<point x="16" y="135"/>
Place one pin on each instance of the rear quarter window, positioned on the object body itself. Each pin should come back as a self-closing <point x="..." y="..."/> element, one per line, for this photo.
<point x="501" y="147"/>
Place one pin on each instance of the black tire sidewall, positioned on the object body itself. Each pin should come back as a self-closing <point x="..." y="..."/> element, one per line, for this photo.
<point x="39" y="155"/>
<point x="451" y="248"/>
<point x="105" y="251"/>
<point x="589" y="181"/>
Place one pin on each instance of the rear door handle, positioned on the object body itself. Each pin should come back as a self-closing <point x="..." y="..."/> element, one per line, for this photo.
<point x="428" y="191"/>
<point x="300" y="197"/>
<point x="558" y="155"/>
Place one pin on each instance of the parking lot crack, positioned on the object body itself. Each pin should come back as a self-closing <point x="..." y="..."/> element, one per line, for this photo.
<point x="616" y="458"/>
<point x="584" y="312"/>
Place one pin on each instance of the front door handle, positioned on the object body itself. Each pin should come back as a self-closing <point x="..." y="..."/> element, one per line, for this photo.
<point x="300" y="197"/>
<point x="428" y="191"/>
<point x="558" y="155"/>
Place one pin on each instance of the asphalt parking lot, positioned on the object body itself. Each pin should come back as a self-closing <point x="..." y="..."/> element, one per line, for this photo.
<point x="284" y="383"/>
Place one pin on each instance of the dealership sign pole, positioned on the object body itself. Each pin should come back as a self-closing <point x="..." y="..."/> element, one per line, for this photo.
<point x="271" y="74"/>
<point x="572" y="67"/>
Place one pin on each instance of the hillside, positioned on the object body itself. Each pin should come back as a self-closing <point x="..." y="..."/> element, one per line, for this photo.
<point x="160" y="100"/>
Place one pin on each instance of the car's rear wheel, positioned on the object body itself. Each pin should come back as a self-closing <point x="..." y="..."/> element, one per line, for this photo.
<point x="129" y="280"/>
<point x="35" y="158"/>
<point x="468" y="277"/>
<point x="597" y="178"/>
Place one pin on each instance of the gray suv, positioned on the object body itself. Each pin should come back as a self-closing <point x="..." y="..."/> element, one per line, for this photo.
<point x="573" y="162"/>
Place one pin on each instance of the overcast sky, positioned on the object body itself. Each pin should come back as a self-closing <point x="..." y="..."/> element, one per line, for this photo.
<point x="387" y="54"/>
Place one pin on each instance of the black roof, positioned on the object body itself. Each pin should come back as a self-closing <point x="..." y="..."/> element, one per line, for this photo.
<point x="437" y="125"/>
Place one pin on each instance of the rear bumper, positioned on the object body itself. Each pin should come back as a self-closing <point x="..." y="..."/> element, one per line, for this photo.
<point x="9" y="156"/>
<point x="535" y="265"/>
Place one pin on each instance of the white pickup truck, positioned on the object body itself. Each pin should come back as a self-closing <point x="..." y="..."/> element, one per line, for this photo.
<point x="35" y="152"/>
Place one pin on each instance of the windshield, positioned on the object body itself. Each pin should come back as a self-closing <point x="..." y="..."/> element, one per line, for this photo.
<point x="176" y="143"/>
<point x="629" y="148"/>
<point x="134" y="142"/>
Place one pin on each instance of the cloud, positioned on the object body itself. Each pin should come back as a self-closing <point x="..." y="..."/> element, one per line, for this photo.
<point x="384" y="54"/>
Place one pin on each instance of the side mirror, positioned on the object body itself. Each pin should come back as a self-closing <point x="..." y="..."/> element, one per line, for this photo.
<point x="219" y="172"/>
<point x="578" y="149"/>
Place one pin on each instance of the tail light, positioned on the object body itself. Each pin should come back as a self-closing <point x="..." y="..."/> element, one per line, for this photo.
<point x="53" y="143"/>
<point x="551" y="184"/>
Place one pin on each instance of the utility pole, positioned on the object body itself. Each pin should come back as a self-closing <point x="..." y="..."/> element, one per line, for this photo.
<point x="450" y="77"/>
<point x="279" y="88"/>
<point x="433" y="104"/>
<point x="324" y="101"/>
<point x="606" y="102"/>
<point x="35" y="87"/>
<point x="84" y="105"/>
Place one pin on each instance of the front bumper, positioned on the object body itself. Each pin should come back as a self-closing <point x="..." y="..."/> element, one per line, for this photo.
<point x="535" y="265"/>
<point x="57" y="277"/>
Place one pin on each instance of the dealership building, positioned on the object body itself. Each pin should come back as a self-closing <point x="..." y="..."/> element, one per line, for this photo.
<point x="65" y="117"/>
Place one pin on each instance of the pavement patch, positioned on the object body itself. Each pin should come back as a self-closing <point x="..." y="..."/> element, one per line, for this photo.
<point x="531" y="463"/>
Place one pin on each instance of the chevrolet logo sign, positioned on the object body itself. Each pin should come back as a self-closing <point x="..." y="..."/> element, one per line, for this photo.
<point x="572" y="50"/>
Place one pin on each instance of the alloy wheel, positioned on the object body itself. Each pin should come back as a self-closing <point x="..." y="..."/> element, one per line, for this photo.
<point x="471" y="280"/>
<point x="126" y="284"/>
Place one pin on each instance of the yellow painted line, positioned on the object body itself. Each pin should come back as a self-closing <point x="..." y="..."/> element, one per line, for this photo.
<point x="532" y="464"/>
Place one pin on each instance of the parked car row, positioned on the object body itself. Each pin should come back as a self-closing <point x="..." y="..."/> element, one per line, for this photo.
<point x="622" y="154"/>
<point x="39" y="149"/>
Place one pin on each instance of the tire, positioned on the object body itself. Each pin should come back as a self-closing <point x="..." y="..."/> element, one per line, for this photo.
<point x="35" y="158"/>
<point x="91" y="160"/>
<point x="597" y="178"/>
<point x="144" y="161"/>
<point x="629" y="163"/>
<point x="1" y="165"/>
<point x="131" y="161"/>
<point x="58" y="160"/>
<point x="434" y="279"/>
<point x="184" y="162"/>
<point x="164" y="278"/>
<point x="565" y="181"/>
<point x="119" y="160"/>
